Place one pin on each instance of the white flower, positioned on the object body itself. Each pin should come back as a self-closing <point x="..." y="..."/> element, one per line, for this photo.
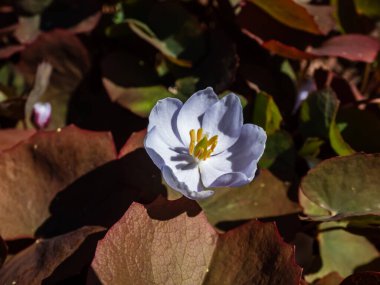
<point x="41" y="114"/>
<point x="203" y="143"/>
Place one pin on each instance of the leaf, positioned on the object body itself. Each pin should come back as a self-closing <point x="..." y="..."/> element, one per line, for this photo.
<point x="338" y="247"/>
<point x="140" y="100"/>
<point x="87" y="25"/>
<point x="365" y="278"/>
<point x="337" y="141"/>
<point x="39" y="168"/>
<point x="171" y="29"/>
<point x="11" y="137"/>
<point x="32" y="7"/>
<point x="28" y="29"/>
<point x="291" y="14"/>
<point x="279" y="155"/>
<point x="70" y="61"/>
<point x="135" y="141"/>
<point x="178" y="246"/>
<point x="353" y="47"/>
<point x="255" y="200"/>
<point x="266" y="113"/>
<point x="37" y="263"/>
<point x="317" y="112"/>
<point x="10" y="50"/>
<point x="369" y="8"/>
<point x="343" y="187"/>
<point x="332" y="278"/>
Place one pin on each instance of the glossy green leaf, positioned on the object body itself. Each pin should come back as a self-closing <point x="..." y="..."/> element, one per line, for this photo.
<point x="342" y="187"/>
<point x="341" y="251"/>
<point x="266" y="113"/>
<point x="255" y="200"/>
<point x="139" y="100"/>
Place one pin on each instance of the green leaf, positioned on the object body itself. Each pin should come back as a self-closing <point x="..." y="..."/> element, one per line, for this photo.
<point x="337" y="142"/>
<point x="254" y="200"/>
<point x="266" y="113"/>
<point x="369" y="8"/>
<point x="169" y="28"/>
<point x="341" y="251"/>
<point x="139" y="100"/>
<point x="279" y="155"/>
<point x="291" y="14"/>
<point x="311" y="147"/>
<point x="342" y="187"/>
<point x="318" y="113"/>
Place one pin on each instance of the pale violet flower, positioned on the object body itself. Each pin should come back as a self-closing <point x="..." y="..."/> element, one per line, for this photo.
<point x="41" y="114"/>
<point x="203" y="143"/>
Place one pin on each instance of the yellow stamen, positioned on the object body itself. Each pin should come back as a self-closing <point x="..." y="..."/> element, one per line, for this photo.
<point x="192" y="141"/>
<point x="199" y="134"/>
<point x="201" y="147"/>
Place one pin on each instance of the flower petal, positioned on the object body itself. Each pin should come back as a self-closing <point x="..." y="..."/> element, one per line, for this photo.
<point x="237" y="165"/>
<point x="225" y="119"/>
<point x="160" y="151"/>
<point x="164" y="117"/>
<point x="191" y="113"/>
<point x="187" y="182"/>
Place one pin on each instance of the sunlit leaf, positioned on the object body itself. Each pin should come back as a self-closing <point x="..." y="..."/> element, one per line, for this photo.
<point x="342" y="187"/>
<point x="353" y="47"/>
<point x="254" y="200"/>
<point x="180" y="247"/>
<point x="35" y="170"/>
<point x="266" y="113"/>
<point x="338" y="247"/>
<point x="139" y="100"/>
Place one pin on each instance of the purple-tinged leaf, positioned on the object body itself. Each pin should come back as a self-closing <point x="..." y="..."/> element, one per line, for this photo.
<point x="172" y="243"/>
<point x="45" y="259"/>
<point x="35" y="170"/>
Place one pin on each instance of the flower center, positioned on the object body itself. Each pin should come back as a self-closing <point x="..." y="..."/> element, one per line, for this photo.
<point x="200" y="146"/>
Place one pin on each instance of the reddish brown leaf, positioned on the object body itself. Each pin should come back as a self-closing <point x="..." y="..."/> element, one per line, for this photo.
<point x="38" y="262"/>
<point x="363" y="278"/>
<point x="332" y="278"/>
<point x="172" y="243"/>
<point x="279" y="48"/>
<point x="10" y="137"/>
<point x="10" y="50"/>
<point x="291" y="14"/>
<point x="135" y="141"/>
<point x="34" y="171"/>
<point x="351" y="47"/>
